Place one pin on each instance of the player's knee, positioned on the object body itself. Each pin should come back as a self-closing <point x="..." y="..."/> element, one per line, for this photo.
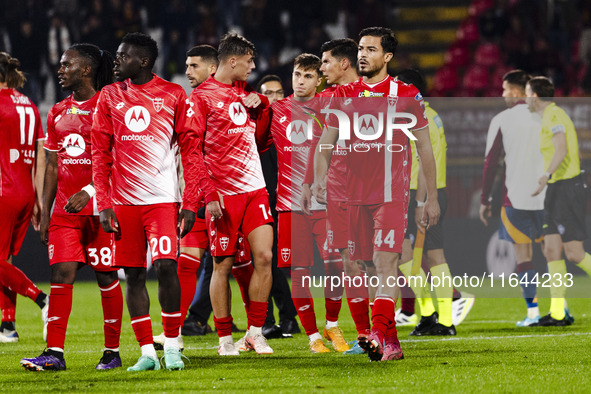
<point x="263" y="258"/>
<point x="351" y="267"/>
<point x="552" y="253"/>
<point x="574" y="254"/>
<point x="63" y="277"/>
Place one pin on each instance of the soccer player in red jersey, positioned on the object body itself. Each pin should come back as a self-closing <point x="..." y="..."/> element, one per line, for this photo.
<point x="232" y="181"/>
<point x="22" y="139"/>
<point x="339" y="67"/>
<point x="74" y="235"/>
<point x="202" y="61"/>
<point x="137" y="124"/>
<point x="378" y="181"/>
<point x="292" y="130"/>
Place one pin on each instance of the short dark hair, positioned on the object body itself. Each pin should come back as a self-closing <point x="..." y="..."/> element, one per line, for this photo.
<point x="101" y="63"/>
<point x="207" y="52"/>
<point x="268" y="78"/>
<point x="308" y="62"/>
<point x="414" y="77"/>
<point x="517" y="78"/>
<point x="145" y="43"/>
<point x="542" y="86"/>
<point x="388" y="41"/>
<point x="233" y="44"/>
<point x="342" y="48"/>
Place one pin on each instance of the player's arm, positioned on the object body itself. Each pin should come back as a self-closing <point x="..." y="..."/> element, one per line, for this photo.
<point x="306" y="197"/>
<point x="197" y="123"/>
<point x="560" y="152"/>
<point x="494" y="149"/>
<point x="49" y="192"/>
<point x="263" y="136"/>
<point x="322" y="156"/>
<point x="102" y="163"/>
<point x="38" y="176"/>
<point x="427" y="160"/>
<point x="189" y="157"/>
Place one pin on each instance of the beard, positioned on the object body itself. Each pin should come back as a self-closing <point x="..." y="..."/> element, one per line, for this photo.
<point x="368" y="72"/>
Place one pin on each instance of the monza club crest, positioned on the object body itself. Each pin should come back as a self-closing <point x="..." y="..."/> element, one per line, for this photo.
<point x="351" y="245"/>
<point x="285" y="254"/>
<point x="224" y="242"/>
<point x="158" y="103"/>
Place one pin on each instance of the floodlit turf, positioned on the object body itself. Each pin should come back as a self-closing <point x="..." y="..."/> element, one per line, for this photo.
<point x="489" y="354"/>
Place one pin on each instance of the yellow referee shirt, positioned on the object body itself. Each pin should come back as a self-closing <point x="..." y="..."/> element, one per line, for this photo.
<point x="437" y="136"/>
<point x="555" y="120"/>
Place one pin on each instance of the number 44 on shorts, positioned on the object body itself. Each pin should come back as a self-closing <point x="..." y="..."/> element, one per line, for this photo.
<point x="389" y="240"/>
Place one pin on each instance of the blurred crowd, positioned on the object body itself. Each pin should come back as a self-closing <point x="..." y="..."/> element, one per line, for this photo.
<point x="38" y="31"/>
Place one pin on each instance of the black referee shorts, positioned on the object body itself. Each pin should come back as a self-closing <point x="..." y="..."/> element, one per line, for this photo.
<point x="564" y="209"/>
<point x="434" y="237"/>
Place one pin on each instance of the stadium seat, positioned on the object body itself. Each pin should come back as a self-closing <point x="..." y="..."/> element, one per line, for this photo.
<point x="479" y="6"/>
<point x="487" y="54"/>
<point x="457" y="55"/>
<point x="445" y="80"/>
<point x="476" y="78"/>
<point x="468" y="31"/>
<point x="496" y="77"/>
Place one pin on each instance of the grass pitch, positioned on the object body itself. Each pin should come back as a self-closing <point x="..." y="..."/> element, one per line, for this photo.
<point x="488" y="354"/>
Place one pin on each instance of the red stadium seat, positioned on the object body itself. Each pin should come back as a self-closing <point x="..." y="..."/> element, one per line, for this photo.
<point x="457" y="55"/>
<point x="468" y="31"/>
<point x="479" y="6"/>
<point x="496" y="77"/>
<point x="445" y="80"/>
<point x="476" y="78"/>
<point x="487" y="54"/>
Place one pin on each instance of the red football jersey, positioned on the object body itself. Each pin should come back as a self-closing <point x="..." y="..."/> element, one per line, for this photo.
<point x="20" y="128"/>
<point x="295" y="135"/>
<point x="378" y="170"/>
<point x="336" y="183"/>
<point x="134" y="145"/>
<point x="68" y="133"/>
<point x="226" y="138"/>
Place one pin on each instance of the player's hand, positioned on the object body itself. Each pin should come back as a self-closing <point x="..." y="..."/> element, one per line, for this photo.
<point x="43" y="229"/>
<point x="109" y="221"/>
<point x="431" y="213"/>
<point x="542" y="182"/>
<point x="77" y="201"/>
<point x="186" y="221"/>
<point x="419" y="211"/>
<point x="215" y="207"/>
<point x="306" y="199"/>
<point x="36" y="218"/>
<point x="252" y="100"/>
<point x="485" y="213"/>
<point x="319" y="190"/>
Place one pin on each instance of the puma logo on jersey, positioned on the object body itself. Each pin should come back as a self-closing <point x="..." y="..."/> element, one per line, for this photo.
<point x="137" y="119"/>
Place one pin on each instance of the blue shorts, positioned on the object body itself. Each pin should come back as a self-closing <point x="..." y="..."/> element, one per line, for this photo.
<point x="520" y="226"/>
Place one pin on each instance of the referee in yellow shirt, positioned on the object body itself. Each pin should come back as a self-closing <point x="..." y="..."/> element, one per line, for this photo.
<point x="564" y="206"/>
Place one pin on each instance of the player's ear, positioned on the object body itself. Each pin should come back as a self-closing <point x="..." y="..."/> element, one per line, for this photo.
<point x="86" y="71"/>
<point x="345" y="63"/>
<point x="144" y="61"/>
<point x="388" y="56"/>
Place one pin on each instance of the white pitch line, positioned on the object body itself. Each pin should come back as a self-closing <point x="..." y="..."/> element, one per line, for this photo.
<point x="496" y="337"/>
